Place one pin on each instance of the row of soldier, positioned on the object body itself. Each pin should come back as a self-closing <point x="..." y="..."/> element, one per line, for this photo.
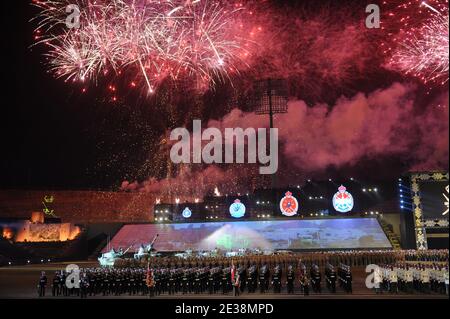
<point x="196" y="280"/>
<point x="409" y="278"/>
<point x="352" y="258"/>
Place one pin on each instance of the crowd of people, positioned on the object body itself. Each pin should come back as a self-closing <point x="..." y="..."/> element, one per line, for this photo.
<point x="352" y="258"/>
<point x="412" y="278"/>
<point x="398" y="271"/>
<point x="211" y="279"/>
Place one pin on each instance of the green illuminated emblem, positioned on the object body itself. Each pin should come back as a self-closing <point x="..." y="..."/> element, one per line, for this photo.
<point x="48" y="200"/>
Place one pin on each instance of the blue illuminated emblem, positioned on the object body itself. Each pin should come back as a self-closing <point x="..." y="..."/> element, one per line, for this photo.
<point x="187" y="213"/>
<point x="237" y="209"/>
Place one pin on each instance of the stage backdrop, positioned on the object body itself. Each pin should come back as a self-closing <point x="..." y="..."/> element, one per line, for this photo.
<point x="345" y="233"/>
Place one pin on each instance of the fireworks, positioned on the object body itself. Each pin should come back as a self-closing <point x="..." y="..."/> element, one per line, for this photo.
<point x="144" y="41"/>
<point x="422" y="50"/>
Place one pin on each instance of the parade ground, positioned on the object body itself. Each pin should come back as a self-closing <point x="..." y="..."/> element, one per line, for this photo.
<point x="21" y="283"/>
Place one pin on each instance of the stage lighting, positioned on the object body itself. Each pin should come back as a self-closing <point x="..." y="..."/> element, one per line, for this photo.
<point x="330" y="180"/>
<point x="364" y="190"/>
<point x="375" y="189"/>
<point x="401" y="207"/>
<point x="351" y="178"/>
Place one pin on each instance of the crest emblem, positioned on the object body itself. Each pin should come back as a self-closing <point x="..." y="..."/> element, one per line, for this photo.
<point x="237" y="209"/>
<point x="343" y="200"/>
<point x="187" y="213"/>
<point x="289" y="205"/>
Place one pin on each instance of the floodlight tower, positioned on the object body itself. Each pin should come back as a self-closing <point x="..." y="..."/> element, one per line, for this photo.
<point x="271" y="97"/>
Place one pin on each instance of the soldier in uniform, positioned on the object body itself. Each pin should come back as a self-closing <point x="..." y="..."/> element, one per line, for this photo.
<point x="252" y="279"/>
<point x="262" y="279"/>
<point x="236" y="284"/>
<point x="304" y="282"/>
<point x="330" y="275"/>
<point x="150" y="282"/>
<point x="408" y="278"/>
<point x="290" y="280"/>
<point x="316" y="279"/>
<point x="42" y="284"/>
<point x="56" y="285"/>
<point x="276" y="279"/>
<point x="84" y="286"/>
<point x="425" y="279"/>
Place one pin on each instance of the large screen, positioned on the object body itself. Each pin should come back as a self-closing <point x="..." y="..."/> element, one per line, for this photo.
<point x="434" y="199"/>
<point x="345" y="233"/>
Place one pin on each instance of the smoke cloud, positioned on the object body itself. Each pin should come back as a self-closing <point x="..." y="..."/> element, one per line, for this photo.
<point x="387" y="123"/>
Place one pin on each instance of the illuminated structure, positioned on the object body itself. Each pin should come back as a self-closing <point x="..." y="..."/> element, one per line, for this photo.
<point x="237" y="209"/>
<point x="343" y="200"/>
<point x="187" y="213"/>
<point x="289" y="205"/>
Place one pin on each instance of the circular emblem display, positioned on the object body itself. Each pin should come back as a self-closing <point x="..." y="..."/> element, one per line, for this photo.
<point x="343" y="200"/>
<point x="187" y="213"/>
<point x="237" y="209"/>
<point x="289" y="205"/>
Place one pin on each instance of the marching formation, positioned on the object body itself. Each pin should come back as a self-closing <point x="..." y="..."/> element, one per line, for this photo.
<point x="301" y="273"/>
<point x="412" y="278"/>
<point x="214" y="279"/>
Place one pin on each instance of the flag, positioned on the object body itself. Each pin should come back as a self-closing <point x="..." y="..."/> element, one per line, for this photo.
<point x="233" y="271"/>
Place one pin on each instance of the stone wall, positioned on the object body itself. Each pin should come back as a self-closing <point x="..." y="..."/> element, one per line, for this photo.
<point x="79" y="206"/>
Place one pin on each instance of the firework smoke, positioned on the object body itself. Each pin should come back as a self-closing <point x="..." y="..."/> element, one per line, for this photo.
<point x="385" y="123"/>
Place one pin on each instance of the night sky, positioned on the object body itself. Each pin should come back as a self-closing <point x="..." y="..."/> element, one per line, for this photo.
<point x="54" y="136"/>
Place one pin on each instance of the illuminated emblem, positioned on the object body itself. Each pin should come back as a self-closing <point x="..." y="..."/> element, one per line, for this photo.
<point x="289" y="205"/>
<point x="187" y="213"/>
<point x="237" y="209"/>
<point x="48" y="200"/>
<point x="343" y="200"/>
<point x="445" y="194"/>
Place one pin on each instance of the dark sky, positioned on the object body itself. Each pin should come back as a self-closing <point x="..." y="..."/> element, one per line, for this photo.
<point x="54" y="137"/>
